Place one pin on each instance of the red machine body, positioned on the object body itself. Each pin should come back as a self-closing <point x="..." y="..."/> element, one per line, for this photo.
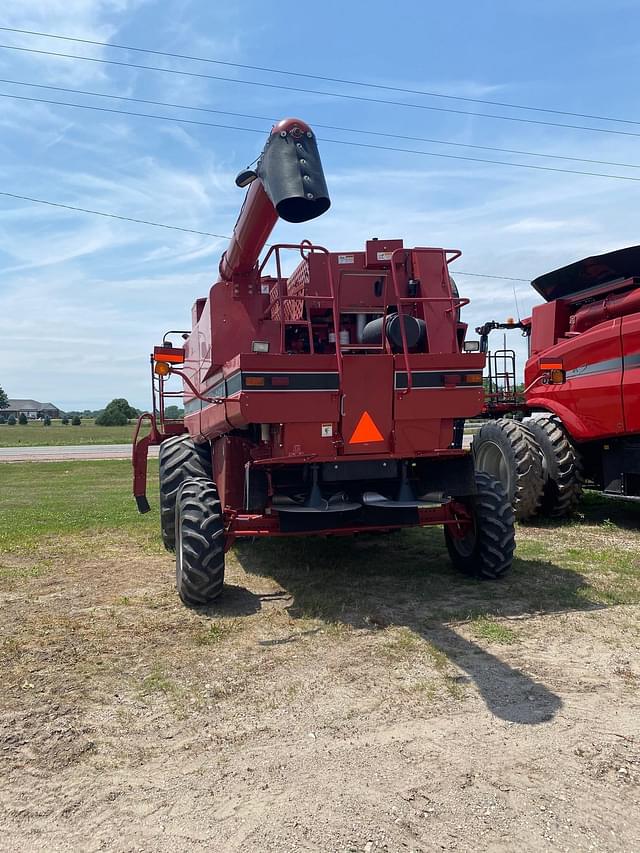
<point x="584" y="363"/>
<point x="343" y="381"/>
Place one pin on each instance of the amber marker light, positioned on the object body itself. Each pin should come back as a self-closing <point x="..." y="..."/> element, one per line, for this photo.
<point x="162" y="368"/>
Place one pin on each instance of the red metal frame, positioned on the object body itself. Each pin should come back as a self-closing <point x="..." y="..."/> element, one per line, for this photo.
<point x="245" y="526"/>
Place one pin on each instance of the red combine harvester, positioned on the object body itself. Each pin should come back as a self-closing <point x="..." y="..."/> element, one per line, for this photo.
<point x="327" y="401"/>
<point x="582" y="390"/>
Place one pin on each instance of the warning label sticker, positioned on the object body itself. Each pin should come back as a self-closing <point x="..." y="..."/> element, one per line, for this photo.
<point x="326" y="430"/>
<point x="264" y="289"/>
<point x="345" y="259"/>
<point x="384" y="256"/>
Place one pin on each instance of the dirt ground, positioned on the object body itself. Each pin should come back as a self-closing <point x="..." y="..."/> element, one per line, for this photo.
<point x="369" y="702"/>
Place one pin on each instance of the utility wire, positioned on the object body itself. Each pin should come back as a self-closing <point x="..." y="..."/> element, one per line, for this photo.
<point x="500" y="277"/>
<point x="320" y="77"/>
<point x="341" y="95"/>
<point x="370" y="145"/>
<point x="317" y="124"/>
<point x="112" y="215"/>
<point x="77" y="209"/>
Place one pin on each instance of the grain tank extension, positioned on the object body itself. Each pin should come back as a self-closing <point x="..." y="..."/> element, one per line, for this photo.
<point x="322" y="396"/>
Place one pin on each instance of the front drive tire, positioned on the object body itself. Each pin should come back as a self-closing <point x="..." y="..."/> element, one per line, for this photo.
<point x="562" y="466"/>
<point x="486" y="551"/>
<point x="180" y="459"/>
<point x="508" y="452"/>
<point x="199" y="543"/>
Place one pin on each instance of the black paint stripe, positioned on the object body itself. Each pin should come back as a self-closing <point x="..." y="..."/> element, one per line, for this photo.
<point x="597" y="367"/>
<point x="435" y="379"/>
<point x="291" y="381"/>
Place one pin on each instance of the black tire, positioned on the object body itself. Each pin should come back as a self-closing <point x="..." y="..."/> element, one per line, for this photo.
<point x="487" y="551"/>
<point x="199" y="543"/>
<point x="180" y="459"/>
<point x="509" y="452"/>
<point x="561" y="465"/>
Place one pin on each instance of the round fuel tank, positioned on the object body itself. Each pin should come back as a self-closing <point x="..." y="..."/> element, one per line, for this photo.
<point x="415" y="332"/>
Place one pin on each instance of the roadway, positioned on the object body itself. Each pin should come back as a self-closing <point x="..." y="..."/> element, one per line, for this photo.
<point x="70" y="452"/>
<point x="85" y="451"/>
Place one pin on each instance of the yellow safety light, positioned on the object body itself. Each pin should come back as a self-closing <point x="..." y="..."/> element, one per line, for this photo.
<point x="162" y="368"/>
<point x="473" y="379"/>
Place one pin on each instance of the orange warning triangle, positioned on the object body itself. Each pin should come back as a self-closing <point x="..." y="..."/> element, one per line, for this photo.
<point x="366" y="431"/>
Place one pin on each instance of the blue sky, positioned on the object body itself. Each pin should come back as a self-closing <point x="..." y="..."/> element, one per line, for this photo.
<point x="83" y="299"/>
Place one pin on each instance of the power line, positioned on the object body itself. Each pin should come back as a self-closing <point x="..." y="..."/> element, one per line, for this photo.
<point x="500" y="277"/>
<point x="77" y="209"/>
<point x="112" y="215"/>
<point x="318" y="124"/>
<point x="320" y="77"/>
<point x="370" y="145"/>
<point x="341" y="95"/>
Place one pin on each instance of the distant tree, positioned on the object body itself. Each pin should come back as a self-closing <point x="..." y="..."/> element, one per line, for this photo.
<point x="22" y="419"/>
<point x="3" y="419"/>
<point x="76" y="421"/>
<point x="4" y="400"/>
<point x="117" y="413"/>
<point x="64" y="420"/>
<point x="47" y="421"/>
<point x="112" y="417"/>
<point x="11" y="421"/>
<point x="123" y="404"/>
<point x="173" y="412"/>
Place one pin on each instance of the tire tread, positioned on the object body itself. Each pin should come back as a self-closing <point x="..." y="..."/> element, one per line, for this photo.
<point x="200" y="574"/>
<point x="180" y="459"/>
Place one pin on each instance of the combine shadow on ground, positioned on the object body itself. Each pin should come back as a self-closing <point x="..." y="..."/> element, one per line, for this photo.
<point x="407" y="580"/>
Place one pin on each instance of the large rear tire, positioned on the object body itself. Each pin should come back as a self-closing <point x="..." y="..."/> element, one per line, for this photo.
<point x="180" y="459"/>
<point x="486" y="551"/>
<point x="199" y="543"/>
<point x="508" y="452"/>
<point x="561" y="464"/>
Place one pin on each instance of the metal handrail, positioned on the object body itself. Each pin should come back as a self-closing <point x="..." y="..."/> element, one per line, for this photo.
<point x="455" y="302"/>
<point x="306" y="249"/>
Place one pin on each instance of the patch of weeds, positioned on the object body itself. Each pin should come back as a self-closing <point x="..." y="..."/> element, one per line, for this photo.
<point x="123" y="600"/>
<point x="159" y="682"/>
<point x="403" y="642"/>
<point x="494" y="632"/>
<point x="338" y="630"/>
<point x="214" y="632"/>
<point x="22" y="572"/>
<point x="438" y="657"/>
<point x="454" y="687"/>
<point x="424" y="687"/>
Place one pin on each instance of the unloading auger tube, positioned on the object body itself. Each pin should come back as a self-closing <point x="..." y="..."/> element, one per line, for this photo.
<point x="287" y="182"/>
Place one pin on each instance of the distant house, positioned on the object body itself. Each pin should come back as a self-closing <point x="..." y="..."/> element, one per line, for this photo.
<point x="31" y="408"/>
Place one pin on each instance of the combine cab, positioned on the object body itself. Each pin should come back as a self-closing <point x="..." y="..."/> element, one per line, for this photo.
<point x="582" y="391"/>
<point x="325" y="400"/>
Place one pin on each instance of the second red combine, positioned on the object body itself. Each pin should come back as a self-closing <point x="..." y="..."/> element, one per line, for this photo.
<point x="330" y="400"/>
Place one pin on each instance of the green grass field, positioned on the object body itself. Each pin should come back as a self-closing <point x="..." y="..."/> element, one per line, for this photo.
<point x="35" y="434"/>
<point x="590" y="561"/>
<point x="38" y="499"/>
